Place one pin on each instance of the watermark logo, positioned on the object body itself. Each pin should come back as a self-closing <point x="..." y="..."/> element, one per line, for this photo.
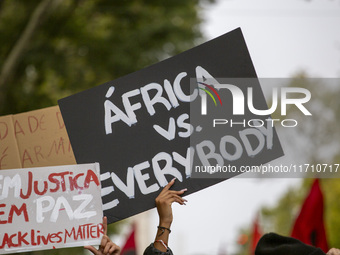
<point x="209" y="93"/>
<point x="279" y="99"/>
<point x="242" y="98"/>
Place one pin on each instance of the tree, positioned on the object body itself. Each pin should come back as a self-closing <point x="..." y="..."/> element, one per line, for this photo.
<point x="53" y="48"/>
<point x="50" y="49"/>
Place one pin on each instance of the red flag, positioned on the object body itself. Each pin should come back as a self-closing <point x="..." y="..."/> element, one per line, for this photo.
<point x="129" y="247"/>
<point x="256" y="235"/>
<point x="309" y="226"/>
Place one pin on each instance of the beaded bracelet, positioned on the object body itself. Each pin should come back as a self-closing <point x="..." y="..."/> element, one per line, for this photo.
<point x="163" y="243"/>
<point x="163" y="230"/>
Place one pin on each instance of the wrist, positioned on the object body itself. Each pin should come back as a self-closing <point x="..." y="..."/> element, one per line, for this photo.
<point x="165" y="223"/>
<point x="162" y="230"/>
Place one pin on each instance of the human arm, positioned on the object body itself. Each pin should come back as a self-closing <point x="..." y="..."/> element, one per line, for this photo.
<point x="164" y="209"/>
<point x="163" y="203"/>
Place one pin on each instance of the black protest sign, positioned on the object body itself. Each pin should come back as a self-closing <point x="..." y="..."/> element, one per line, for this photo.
<point x="138" y="128"/>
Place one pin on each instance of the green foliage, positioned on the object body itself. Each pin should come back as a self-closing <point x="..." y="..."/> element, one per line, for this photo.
<point x="81" y="44"/>
<point x="319" y="143"/>
<point x="280" y="218"/>
<point x="244" y="241"/>
<point x="331" y="189"/>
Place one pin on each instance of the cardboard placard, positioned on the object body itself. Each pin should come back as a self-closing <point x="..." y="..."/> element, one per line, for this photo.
<point x="137" y="127"/>
<point x="33" y="139"/>
<point x="50" y="207"/>
<point x="9" y="153"/>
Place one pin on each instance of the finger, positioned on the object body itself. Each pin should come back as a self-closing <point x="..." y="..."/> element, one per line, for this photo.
<point x="175" y="198"/>
<point x="177" y="192"/>
<point x="105" y="225"/>
<point x="103" y="242"/>
<point x="107" y="248"/>
<point x="114" y="248"/>
<point x="169" y="195"/>
<point x="91" y="249"/>
<point x="168" y="186"/>
<point x="179" y="201"/>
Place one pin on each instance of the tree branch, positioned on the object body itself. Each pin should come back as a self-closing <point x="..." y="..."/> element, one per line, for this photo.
<point x="40" y="13"/>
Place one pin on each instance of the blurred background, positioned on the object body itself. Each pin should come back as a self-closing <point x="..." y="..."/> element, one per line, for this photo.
<point x="50" y="49"/>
